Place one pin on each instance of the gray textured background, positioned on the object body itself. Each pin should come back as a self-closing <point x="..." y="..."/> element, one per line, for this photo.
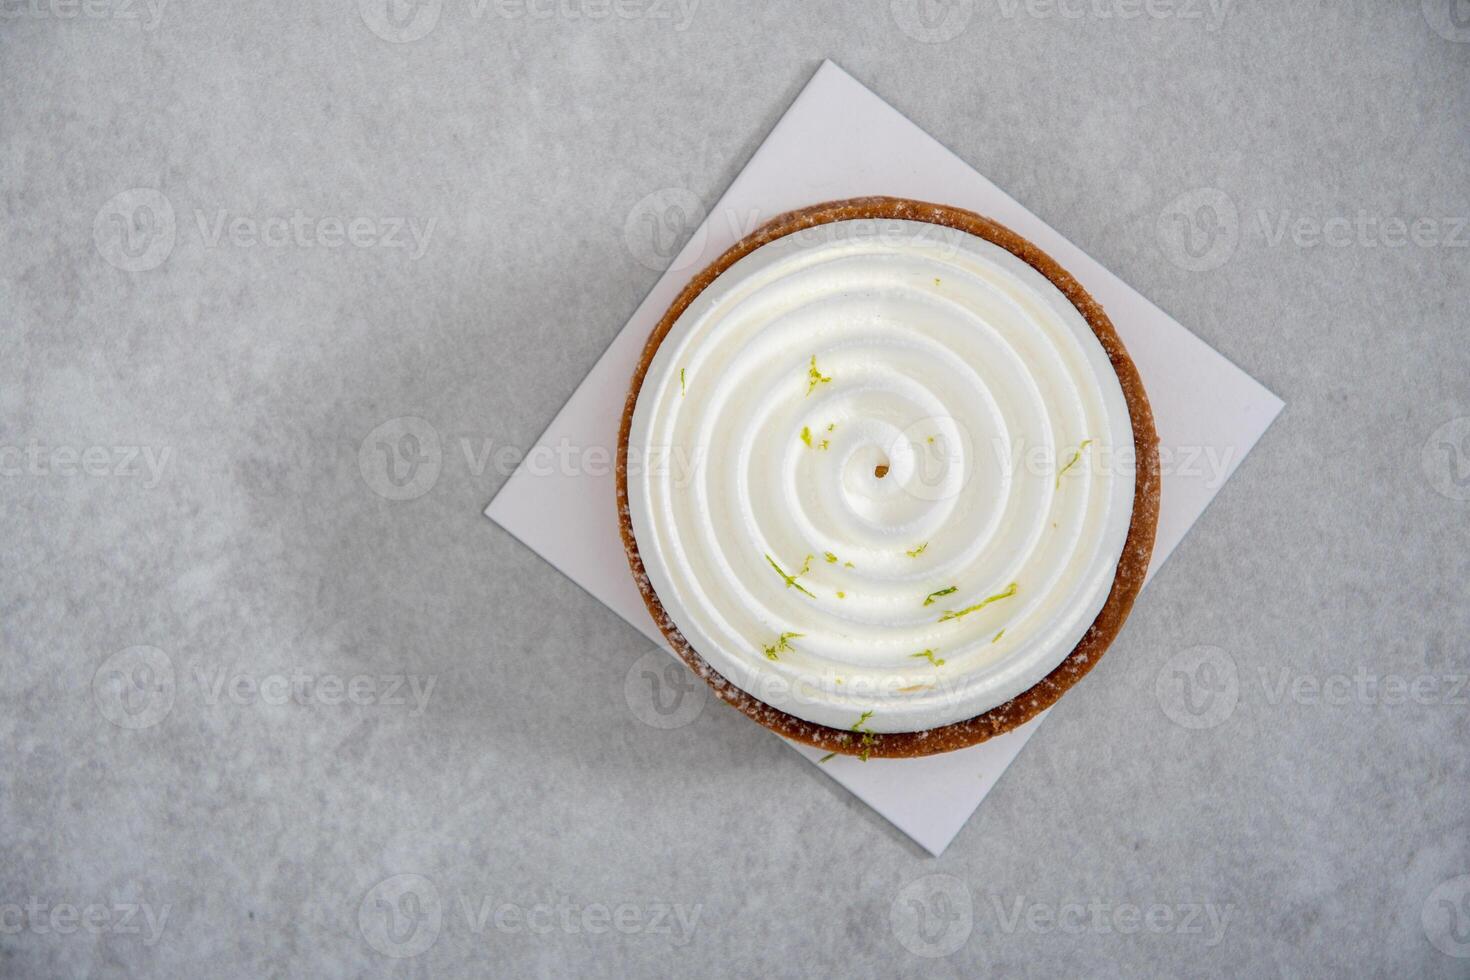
<point x="1332" y="836"/>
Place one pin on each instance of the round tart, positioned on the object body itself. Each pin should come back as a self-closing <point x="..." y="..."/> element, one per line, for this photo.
<point x="887" y="479"/>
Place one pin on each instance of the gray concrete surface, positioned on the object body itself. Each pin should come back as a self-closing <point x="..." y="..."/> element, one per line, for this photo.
<point x="239" y="238"/>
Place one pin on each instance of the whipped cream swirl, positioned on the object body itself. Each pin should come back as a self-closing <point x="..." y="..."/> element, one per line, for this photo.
<point x="869" y="475"/>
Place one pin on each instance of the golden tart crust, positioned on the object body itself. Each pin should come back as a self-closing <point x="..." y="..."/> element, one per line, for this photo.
<point x="1132" y="566"/>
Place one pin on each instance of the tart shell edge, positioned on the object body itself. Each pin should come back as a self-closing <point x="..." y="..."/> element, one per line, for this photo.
<point x="1132" y="565"/>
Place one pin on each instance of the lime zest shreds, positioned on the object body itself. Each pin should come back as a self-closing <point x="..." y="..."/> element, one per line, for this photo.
<point x="831" y="558"/>
<point x="831" y="426"/>
<point x="791" y="580"/>
<point x="929" y="599"/>
<point x="997" y="636"/>
<point x="815" y="377"/>
<point x="842" y="595"/>
<point x="1010" y="590"/>
<point x="916" y="552"/>
<point x="929" y="656"/>
<point x="782" y="645"/>
<point x="869" y="737"/>
<point x="825" y="444"/>
<point x="806" y="435"/>
<point x="825" y="757"/>
<point x="682" y="390"/>
<point x="1073" y="461"/>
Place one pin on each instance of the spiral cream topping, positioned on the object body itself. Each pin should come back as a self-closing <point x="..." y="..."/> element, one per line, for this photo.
<point x="873" y="475"/>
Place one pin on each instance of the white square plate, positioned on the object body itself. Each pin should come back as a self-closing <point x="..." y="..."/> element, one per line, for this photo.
<point x="839" y="140"/>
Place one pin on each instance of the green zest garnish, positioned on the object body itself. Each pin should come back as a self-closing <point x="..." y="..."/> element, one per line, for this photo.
<point x="791" y="580"/>
<point x="869" y="736"/>
<point x="1073" y="461"/>
<point x="833" y="559"/>
<point x="815" y="377"/>
<point x="682" y="392"/>
<point x="917" y="551"/>
<point x="929" y="656"/>
<point x="782" y="645"/>
<point x="842" y="595"/>
<point x="953" y="614"/>
<point x="998" y="636"/>
<point x="806" y="435"/>
<point x="929" y="599"/>
<point x="825" y="757"/>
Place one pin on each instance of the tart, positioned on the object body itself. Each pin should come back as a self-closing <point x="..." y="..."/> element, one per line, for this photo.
<point x="887" y="478"/>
